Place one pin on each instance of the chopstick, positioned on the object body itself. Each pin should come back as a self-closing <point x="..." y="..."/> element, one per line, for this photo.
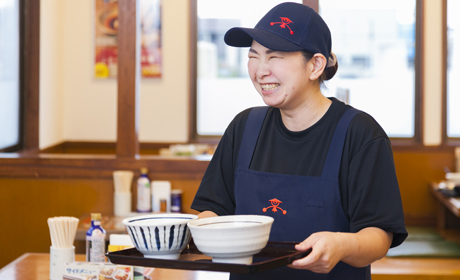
<point x="63" y="231"/>
<point x="122" y="180"/>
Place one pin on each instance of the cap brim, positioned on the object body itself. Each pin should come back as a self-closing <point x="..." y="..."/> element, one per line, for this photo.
<point x="242" y="37"/>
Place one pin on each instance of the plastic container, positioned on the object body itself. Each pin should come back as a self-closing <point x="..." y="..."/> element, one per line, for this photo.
<point x="95" y="240"/>
<point x="144" y="192"/>
<point x="161" y="196"/>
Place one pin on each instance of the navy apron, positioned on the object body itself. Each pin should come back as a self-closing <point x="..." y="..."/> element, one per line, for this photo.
<point x="300" y="205"/>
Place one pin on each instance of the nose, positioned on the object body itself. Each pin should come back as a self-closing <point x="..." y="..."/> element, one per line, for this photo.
<point x="263" y="69"/>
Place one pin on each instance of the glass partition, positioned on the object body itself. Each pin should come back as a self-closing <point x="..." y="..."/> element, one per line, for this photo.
<point x="223" y="85"/>
<point x="373" y="40"/>
<point x="9" y="73"/>
<point x="375" y="45"/>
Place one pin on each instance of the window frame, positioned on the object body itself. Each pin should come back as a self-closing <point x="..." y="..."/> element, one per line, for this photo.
<point x="416" y="140"/>
<point x="127" y="144"/>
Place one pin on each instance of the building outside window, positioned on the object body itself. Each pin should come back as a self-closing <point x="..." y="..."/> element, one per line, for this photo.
<point x="223" y="86"/>
<point x="373" y="40"/>
<point x="453" y="69"/>
<point x="375" y="44"/>
<point x="9" y="74"/>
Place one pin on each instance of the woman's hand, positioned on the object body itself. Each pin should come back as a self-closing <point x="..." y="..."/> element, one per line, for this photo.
<point x="206" y="214"/>
<point x="328" y="248"/>
<point x="356" y="249"/>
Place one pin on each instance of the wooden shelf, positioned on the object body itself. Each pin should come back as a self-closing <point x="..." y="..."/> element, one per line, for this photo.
<point x="98" y="166"/>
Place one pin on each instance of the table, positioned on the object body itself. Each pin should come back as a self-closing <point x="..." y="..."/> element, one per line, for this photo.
<point x="36" y="266"/>
<point x="445" y="205"/>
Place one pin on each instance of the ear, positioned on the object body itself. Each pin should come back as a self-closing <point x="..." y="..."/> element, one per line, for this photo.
<point x="318" y="64"/>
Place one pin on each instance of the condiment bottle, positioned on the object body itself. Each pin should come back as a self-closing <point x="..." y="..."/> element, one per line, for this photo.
<point x="144" y="192"/>
<point x="176" y="201"/>
<point x="95" y="240"/>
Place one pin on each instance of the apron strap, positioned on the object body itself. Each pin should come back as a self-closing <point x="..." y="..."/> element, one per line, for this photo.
<point x="251" y="134"/>
<point x="334" y="156"/>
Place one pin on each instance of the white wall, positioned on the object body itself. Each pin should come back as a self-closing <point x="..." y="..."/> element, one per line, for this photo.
<point x="432" y="76"/>
<point x="90" y="105"/>
<point x="76" y="107"/>
<point x="51" y="97"/>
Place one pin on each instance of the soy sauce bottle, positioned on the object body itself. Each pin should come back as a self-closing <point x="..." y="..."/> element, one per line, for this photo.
<point x="95" y="240"/>
<point x="144" y="192"/>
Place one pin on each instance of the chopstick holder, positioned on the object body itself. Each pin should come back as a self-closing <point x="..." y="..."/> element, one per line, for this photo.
<point x="122" y="180"/>
<point x="62" y="250"/>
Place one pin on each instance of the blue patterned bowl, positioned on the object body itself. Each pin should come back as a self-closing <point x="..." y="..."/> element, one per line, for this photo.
<point x="161" y="236"/>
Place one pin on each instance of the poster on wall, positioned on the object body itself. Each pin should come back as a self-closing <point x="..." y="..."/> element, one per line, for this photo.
<point x="106" y="29"/>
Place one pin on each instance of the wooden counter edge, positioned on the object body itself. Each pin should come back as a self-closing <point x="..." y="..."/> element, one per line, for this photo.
<point x="450" y="203"/>
<point x="16" y="261"/>
<point x="384" y="266"/>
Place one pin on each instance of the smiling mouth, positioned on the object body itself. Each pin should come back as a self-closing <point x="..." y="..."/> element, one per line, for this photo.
<point x="269" y="87"/>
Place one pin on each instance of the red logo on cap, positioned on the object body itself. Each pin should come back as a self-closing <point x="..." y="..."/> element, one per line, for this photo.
<point x="284" y="23"/>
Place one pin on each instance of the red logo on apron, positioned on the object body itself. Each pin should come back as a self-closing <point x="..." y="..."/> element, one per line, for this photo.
<point x="284" y="23"/>
<point x="275" y="202"/>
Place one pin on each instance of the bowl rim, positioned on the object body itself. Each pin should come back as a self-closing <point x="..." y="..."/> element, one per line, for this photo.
<point x="176" y="218"/>
<point x="260" y="219"/>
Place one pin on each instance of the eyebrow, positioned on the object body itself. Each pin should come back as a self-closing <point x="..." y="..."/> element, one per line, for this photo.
<point x="267" y="52"/>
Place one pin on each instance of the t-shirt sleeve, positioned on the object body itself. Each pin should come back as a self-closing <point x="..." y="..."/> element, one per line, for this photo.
<point x="374" y="198"/>
<point x="216" y="191"/>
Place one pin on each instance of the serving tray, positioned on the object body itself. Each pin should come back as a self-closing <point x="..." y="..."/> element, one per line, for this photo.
<point x="275" y="254"/>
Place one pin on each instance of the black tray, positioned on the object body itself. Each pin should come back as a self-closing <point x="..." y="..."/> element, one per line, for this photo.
<point x="275" y="254"/>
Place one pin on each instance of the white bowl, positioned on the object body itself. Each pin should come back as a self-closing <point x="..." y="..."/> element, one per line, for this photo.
<point x="231" y="239"/>
<point x="161" y="236"/>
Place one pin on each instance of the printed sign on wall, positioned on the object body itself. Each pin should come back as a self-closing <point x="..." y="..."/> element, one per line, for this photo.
<point x="106" y="29"/>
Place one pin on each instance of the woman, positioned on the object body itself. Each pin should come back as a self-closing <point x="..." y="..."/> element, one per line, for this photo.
<point x="322" y="169"/>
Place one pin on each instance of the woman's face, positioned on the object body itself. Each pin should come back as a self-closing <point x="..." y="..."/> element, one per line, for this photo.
<point x="281" y="78"/>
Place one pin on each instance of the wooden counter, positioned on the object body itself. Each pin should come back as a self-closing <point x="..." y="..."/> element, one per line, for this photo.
<point x="35" y="266"/>
<point x="416" y="269"/>
<point x="448" y="209"/>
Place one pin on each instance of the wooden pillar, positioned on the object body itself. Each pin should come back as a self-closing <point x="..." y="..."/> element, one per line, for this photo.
<point x="193" y="29"/>
<point x="314" y="4"/>
<point x="128" y="78"/>
<point x="30" y="62"/>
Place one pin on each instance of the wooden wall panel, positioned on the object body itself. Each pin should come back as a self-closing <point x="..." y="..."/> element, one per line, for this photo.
<point x="27" y="203"/>
<point x="416" y="170"/>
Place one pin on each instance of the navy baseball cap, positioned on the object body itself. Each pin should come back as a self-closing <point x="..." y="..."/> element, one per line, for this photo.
<point x="286" y="27"/>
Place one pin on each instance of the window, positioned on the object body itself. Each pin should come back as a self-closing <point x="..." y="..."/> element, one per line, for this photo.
<point x="374" y="41"/>
<point x="223" y="85"/>
<point x="9" y="74"/>
<point x="453" y="69"/>
<point x="375" y="45"/>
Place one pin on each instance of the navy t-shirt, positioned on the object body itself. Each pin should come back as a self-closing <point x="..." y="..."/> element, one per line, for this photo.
<point x="368" y="185"/>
